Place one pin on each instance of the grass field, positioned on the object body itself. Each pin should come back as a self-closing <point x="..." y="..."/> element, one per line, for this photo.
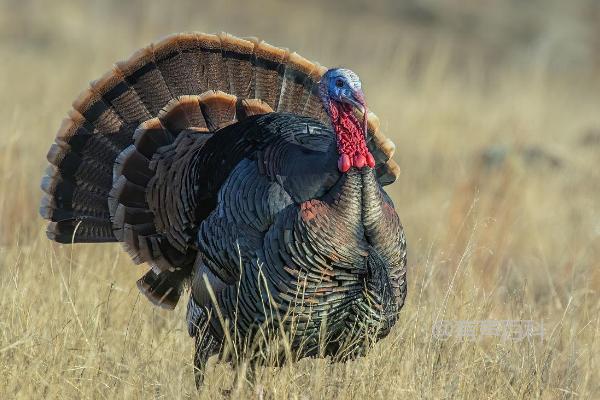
<point x="495" y="111"/>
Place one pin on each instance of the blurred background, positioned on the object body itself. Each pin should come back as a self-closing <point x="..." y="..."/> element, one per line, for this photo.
<point x="494" y="107"/>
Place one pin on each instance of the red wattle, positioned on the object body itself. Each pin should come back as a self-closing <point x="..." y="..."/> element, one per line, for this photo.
<point x="359" y="161"/>
<point x="370" y="160"/>
<point x="350" y="138"/>
<point x="344" y="163"/>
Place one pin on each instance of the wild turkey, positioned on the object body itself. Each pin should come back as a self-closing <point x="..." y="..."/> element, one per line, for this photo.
<point x="246" y="171"/>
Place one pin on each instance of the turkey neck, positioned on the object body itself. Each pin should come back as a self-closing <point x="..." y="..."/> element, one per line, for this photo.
<point x="358" y="195"/>
<point x="350" y="135"/>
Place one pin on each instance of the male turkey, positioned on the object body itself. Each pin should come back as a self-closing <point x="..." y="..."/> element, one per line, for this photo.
<point x="248" y="171"/>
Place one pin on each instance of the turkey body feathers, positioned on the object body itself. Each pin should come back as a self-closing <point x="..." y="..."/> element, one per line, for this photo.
<point x="332" y="252"/>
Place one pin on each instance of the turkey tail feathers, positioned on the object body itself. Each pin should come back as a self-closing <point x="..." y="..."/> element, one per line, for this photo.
<point x="130" y="131"/>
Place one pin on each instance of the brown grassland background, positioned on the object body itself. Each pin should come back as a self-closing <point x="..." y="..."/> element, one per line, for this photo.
<point x="495" y="109"/>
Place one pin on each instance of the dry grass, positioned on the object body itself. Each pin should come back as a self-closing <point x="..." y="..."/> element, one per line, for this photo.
<point x="499" y="195"/>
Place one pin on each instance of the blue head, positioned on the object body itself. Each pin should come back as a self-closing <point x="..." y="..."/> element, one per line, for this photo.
<point x="339" y="87"/>
<point x="341" y="93"/>
<point x="343" y="86"/>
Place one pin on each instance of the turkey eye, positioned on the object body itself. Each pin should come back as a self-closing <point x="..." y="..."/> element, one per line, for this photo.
<point x="339" y="83"/>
